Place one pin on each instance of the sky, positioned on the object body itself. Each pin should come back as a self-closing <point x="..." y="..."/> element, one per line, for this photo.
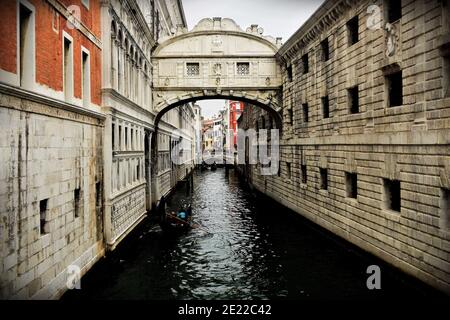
<point x="278" y="18"/>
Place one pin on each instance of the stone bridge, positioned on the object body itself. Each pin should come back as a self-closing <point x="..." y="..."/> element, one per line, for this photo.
<point x="217" y="60"/>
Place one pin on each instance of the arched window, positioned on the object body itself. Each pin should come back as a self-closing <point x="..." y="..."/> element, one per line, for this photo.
<point x="126" y="68"/>
<point x="113" y="54"/>
<point x="119" y="61"/>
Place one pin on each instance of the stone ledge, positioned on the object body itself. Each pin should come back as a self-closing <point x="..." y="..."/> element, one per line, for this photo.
<point x="46" y="101"/>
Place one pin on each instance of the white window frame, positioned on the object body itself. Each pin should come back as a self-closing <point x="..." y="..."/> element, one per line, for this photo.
<point x="69" y="93"/>
<point x="29" y="83"/>
<point x="86" y="97"/>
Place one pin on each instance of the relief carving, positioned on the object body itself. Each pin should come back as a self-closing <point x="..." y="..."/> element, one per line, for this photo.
<point x="217" y="69"/>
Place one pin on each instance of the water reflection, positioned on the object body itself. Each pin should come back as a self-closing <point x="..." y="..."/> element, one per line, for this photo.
<point x="246" y="248"/>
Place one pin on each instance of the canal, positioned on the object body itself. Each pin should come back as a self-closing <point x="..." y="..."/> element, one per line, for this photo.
<point x="247" y="247"/>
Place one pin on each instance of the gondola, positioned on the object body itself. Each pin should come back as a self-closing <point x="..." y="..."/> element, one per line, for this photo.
<point x="170" y="222"/>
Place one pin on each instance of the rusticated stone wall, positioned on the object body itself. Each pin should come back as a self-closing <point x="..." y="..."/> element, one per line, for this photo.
<point x="377" y="175"/>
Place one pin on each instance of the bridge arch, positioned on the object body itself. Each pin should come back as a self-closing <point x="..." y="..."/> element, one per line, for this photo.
<point x="267" y="104"/>
<point x="217" y="59"/>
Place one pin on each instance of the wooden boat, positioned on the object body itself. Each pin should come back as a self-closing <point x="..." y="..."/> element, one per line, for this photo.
<point x="173" y="224"/>
<point x="170" y="222"/>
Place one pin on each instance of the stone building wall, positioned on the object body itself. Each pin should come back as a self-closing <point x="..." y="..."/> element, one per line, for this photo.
<point x="51" y="193"/>
<point x="377" y="175"/>
<point x="51" y="173"/>
<point x="127" y="42"/>
<point x="76" y="125"/>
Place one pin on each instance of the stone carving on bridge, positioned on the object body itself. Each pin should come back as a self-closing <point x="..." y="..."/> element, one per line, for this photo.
<point x="228" y="62"/>
<point x="217" y="44"/>
<point x="217" y="69"/>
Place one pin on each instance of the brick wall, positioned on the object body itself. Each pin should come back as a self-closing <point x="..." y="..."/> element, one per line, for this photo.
<point x="49" y="27"/>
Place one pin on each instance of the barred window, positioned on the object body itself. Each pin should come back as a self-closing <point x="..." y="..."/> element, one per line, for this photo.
<point x="243" y="68"/>
<point x="193" y="69"/>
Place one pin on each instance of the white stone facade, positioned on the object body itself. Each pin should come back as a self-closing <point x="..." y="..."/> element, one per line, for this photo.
<point x="47" y="153"/>
<point x="126" y="79"/>
<point x="216" y="59"/>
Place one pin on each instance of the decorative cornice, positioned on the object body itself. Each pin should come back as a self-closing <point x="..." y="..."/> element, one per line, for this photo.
<point x="108" y="92"/>
<point x="324" y="18"/>
<point x="50" y="102"/>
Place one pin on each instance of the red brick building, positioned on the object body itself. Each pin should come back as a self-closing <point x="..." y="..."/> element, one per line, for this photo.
<point x="236" y="108"/>
<point x="51" y="140"/>
<point x="37" y="28"/>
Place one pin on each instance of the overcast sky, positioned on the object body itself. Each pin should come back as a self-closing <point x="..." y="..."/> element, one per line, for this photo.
<point x="278" y="18"/>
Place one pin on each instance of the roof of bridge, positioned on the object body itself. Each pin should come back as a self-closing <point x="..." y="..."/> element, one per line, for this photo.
<point x="218" y="37"/>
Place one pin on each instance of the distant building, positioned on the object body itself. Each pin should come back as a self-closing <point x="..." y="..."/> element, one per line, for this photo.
<point x="198" y="134"/>
<point x="207" y="133"/>
<point x="235" y="109"/>
<point x="218" y="134"/>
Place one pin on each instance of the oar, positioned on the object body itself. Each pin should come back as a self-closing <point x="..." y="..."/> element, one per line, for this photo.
<point x="196" y="224"/>
<point x="176" y="218"/>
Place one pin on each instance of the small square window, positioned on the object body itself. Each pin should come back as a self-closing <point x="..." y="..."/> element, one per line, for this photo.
<point x="243" y="68"/>
<point x="446" y="77"/>
<point x="43" y="212"/>
<point x="323" y="179"/>
<point x="304" y="174"/>
<point x="288" y="170"/>
<point x="392" y="194"/>
<point x="305" y="112"/>
<point x="325" y="107"/>
<point x="290" y="113"/>
<point x="305" y="64"/>
<point x="192" y="69"/>
<point x="77" y="202"/>
<point x="353" y="31"/>
<point x="289" y="73"/>
<point x="394" y="83"/>
<point x="324" y="45"/>
<point x="394" y="10"/>
<point x="445" y="209"/>
<point x="353" y="100"/>
<point x="351" y="183"/>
